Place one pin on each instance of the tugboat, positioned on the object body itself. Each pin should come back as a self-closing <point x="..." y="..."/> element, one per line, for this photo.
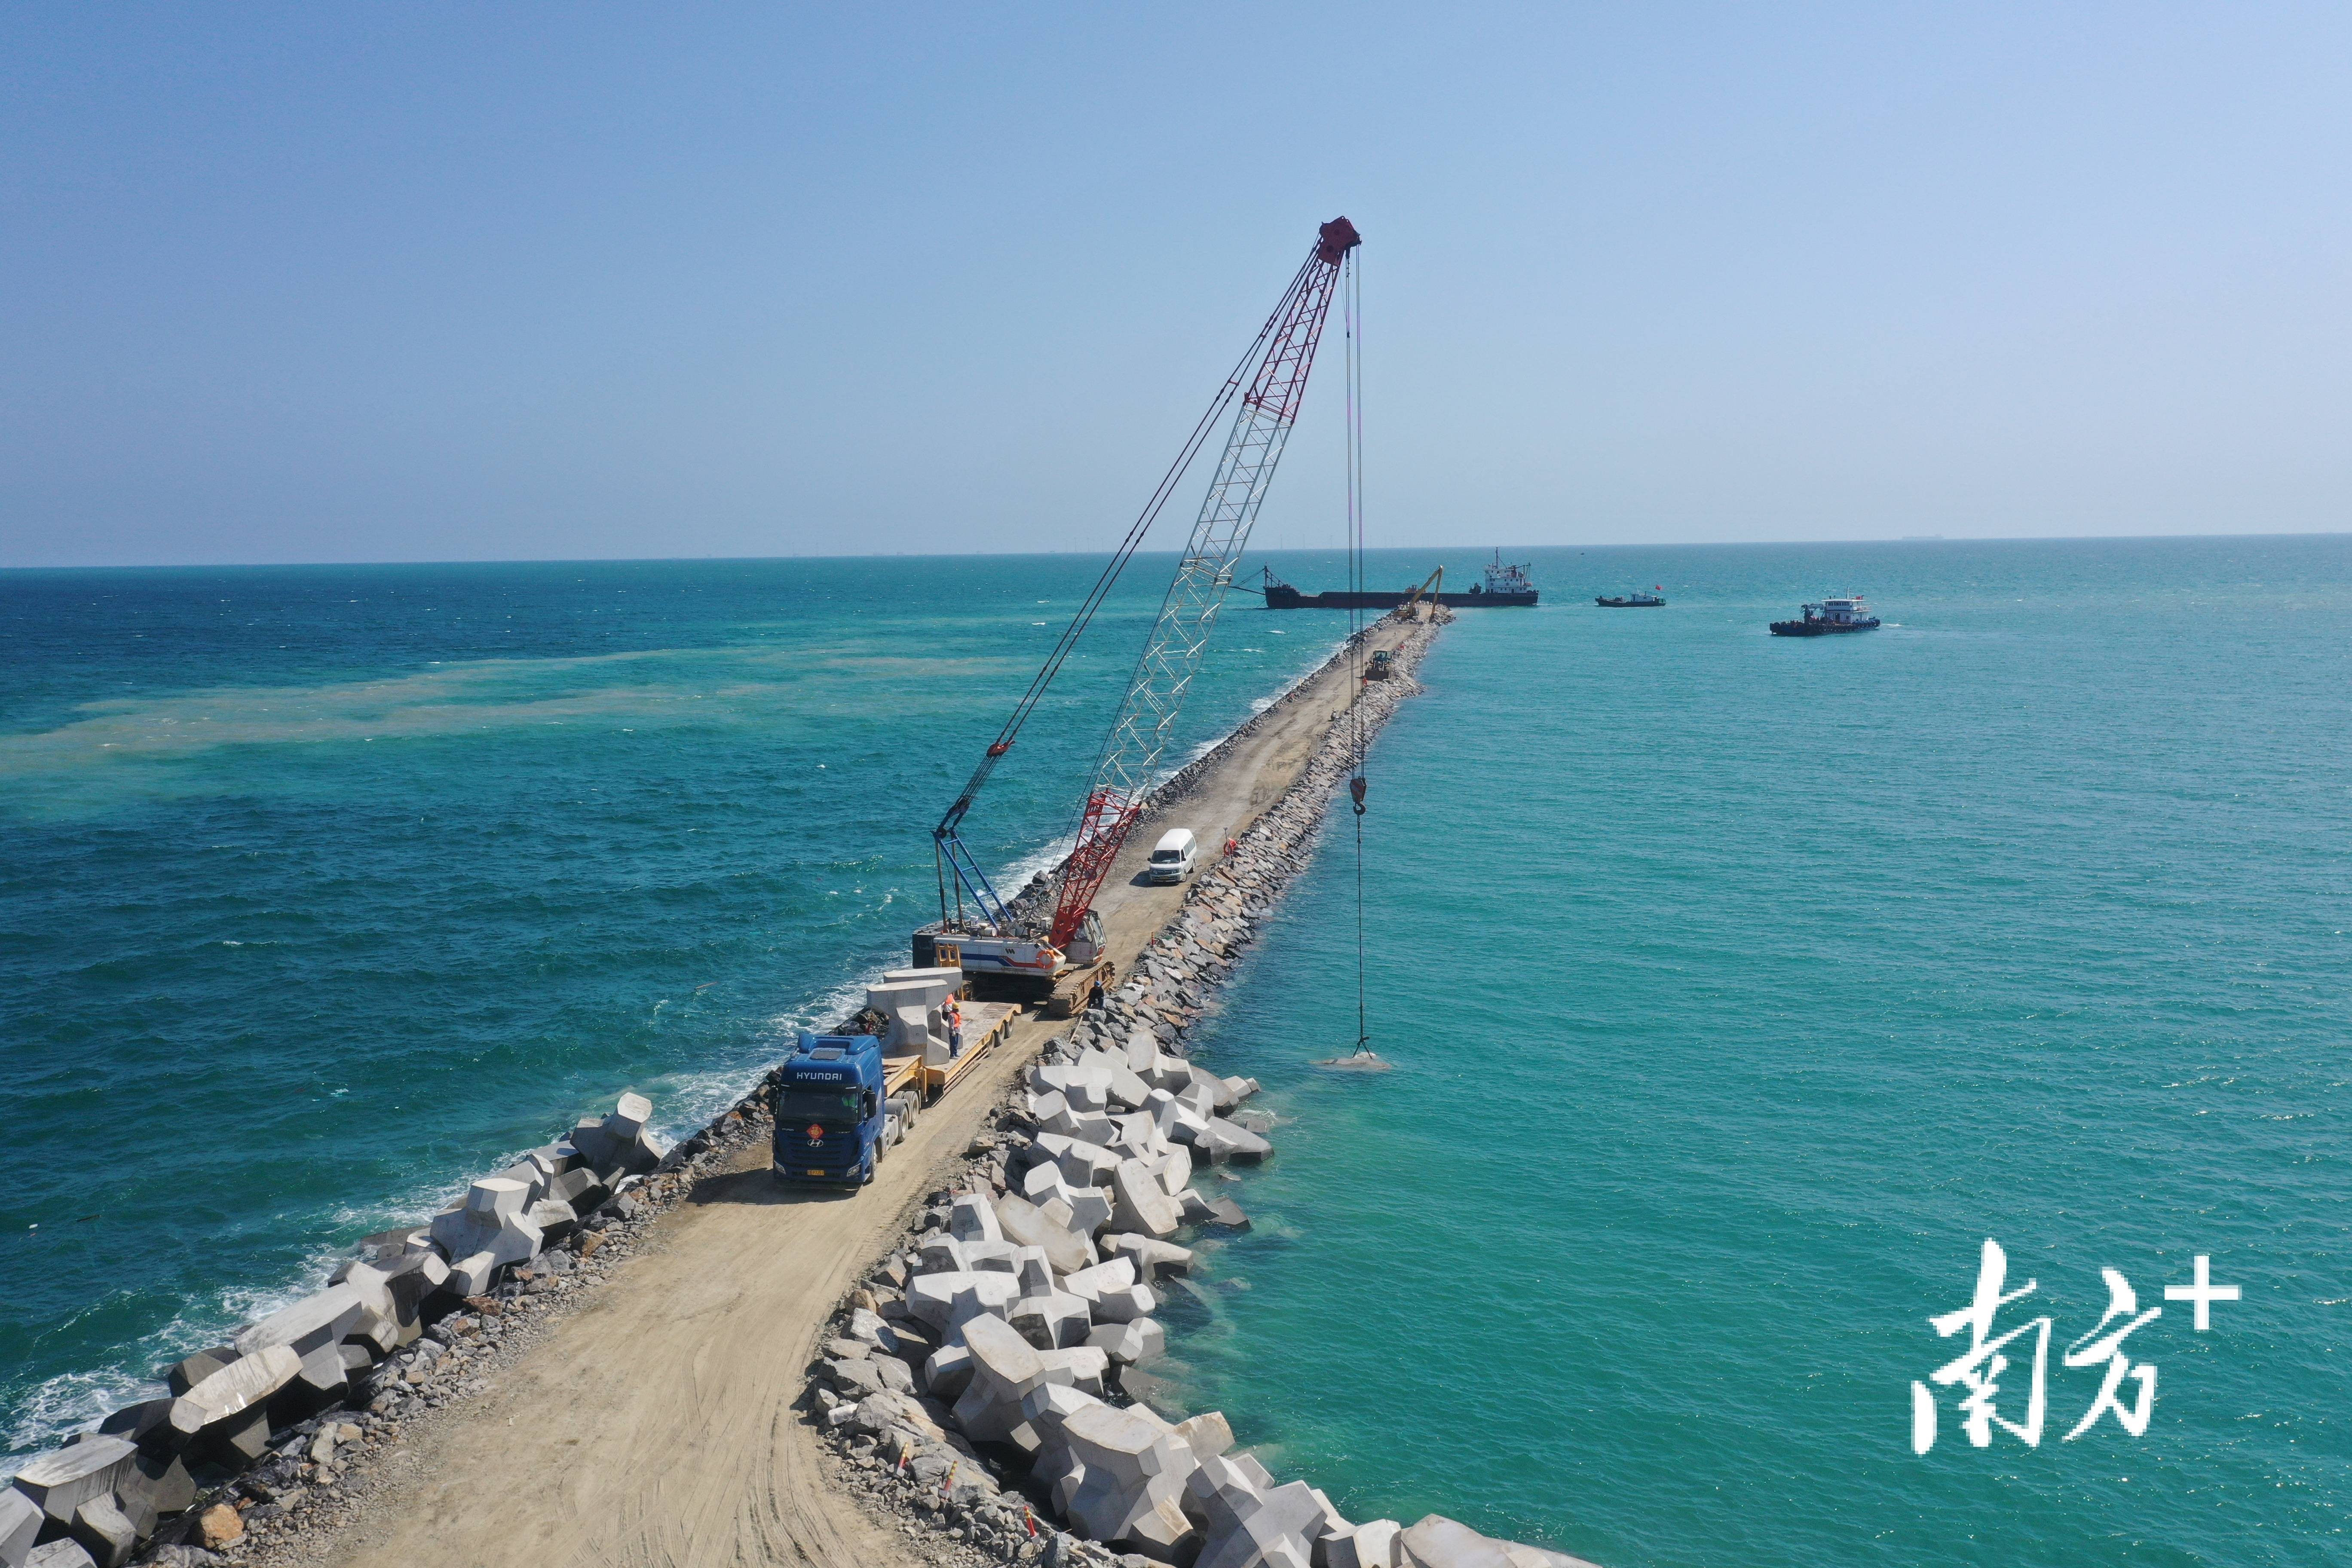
<point x="1846" y="614"/>
<point x="1636" y="600"/>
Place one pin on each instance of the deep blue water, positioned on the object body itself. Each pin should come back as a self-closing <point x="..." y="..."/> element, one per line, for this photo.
<point x="1739" y="989"/>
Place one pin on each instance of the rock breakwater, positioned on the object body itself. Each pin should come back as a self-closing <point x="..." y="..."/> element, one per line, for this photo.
<point x="977" y="1382"/>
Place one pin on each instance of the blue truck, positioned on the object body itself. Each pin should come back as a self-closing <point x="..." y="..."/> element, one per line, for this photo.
<point x="830" y="1113"/>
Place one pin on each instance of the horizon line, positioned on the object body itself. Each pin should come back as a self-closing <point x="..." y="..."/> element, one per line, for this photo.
<point x="1292" y="550"/>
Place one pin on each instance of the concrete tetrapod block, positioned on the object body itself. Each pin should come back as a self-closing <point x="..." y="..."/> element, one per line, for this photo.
<point x="1139" y="1205"/>
<point x="198" y="1367"/>
<point x="1024" y="1225"/>
<point x="1280" y="1529"/>
<point x="945" y="1302"/>
<point x="1088" y="1284"/>
<point x="555" y="1218"/>
<point x="1044" y="1410"/>
<point x="991" y="1258"/>
<point x="940" y="1255"/>
<point x="1005" y="1369"/>
<point x="1125" y="1088"/>
<point x="1083" y="1164"/>
<point x="1132" y="1343"/>
<point x="147" y="1424"/>
<point x="1370" y="1545"/>
<point x="1050" y="1323"/>
<point x="104" y="1531"/>
<point x="20" y="1525"/>
<point x="948" y="1373"/>
<point x="1525" y="1556"/>
<point x="314" y="1320"/>
<point x="1034" y="1269"/>
<point x="1226" y="1142"/>
<point x="1174" y="1170"/>
<point x="229" y="1393"/>
<point x="1125" y="1306"/>
<point x="529" y="1176"/>
<point x="630" y="1114"/>
<point x="62" y="1480"/>
<point x="1089" y="1210"/>
<point x="1134" y="1471"/>
<point x="473" y="1274"/>
<point x="971" y="1218"/>
<point x="1208" y="1434"/>
<point x="1082" y="1367"/>
<point x="63" y="1553"/>
<point x="1437" y="1541"/>
<point x="1154" y="1259"/>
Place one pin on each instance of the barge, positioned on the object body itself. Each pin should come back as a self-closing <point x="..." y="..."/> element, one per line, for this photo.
<point x="1505" y="588"/>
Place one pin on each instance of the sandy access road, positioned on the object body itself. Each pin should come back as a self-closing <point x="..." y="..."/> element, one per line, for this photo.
<point x="654" y="1425"/>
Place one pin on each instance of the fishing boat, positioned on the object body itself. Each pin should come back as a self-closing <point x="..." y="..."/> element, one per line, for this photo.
<point x="1846" y="614"/>
<point x="1636" y="600"/>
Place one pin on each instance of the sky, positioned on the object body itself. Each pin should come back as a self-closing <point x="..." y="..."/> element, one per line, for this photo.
<point x="377" y="283"/>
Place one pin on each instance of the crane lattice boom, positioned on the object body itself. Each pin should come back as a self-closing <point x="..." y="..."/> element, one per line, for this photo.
<point x="1172" y="657"/>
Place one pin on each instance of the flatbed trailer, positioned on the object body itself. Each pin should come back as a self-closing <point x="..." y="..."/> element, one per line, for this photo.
<point x="984" y="1024"/>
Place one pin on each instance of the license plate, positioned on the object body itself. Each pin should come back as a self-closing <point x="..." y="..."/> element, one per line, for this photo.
<point x="816" y="1172"/>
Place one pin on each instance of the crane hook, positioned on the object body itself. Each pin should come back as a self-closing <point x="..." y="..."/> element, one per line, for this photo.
<point x="1356" y="793"/>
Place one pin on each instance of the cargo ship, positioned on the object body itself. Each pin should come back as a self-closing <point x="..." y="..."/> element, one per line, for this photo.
<point x="1504" y="587"/>
<point x="1636" y="600"/>
<point x="1846" y="614"/>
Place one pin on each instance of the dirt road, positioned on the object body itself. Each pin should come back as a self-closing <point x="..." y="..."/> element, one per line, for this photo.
<point x="654" y="1425"/>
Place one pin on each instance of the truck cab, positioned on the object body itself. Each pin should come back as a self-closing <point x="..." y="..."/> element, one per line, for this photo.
<point x="830" y="1111"/>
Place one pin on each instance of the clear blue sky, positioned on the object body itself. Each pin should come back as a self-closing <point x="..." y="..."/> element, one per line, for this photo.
<point x="331" y="283"/>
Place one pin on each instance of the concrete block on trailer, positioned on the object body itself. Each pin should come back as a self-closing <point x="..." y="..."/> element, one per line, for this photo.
<point x="62" y="1480"/>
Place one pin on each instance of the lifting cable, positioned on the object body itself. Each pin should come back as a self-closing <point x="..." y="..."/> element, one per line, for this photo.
<point x="1351" y="296"/>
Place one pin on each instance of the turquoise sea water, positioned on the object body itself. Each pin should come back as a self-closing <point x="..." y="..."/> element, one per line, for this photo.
<point x="326" y="889"/>
<point x="1739" y="989"/>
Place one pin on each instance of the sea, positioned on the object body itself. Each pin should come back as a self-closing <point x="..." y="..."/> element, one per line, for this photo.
<point x="1740" y="991"/>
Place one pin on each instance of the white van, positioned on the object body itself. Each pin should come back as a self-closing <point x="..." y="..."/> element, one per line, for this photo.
<point x="1172" y="858"/>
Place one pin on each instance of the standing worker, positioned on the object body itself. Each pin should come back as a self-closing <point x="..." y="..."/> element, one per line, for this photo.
<point x="953" y="1012"/>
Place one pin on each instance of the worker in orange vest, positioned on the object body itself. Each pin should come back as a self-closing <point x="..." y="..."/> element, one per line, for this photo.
<point x="953" y="1013"/>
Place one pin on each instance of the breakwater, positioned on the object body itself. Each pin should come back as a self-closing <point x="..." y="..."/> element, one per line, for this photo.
<point x="255" y="1460"/>
<point x="977" y="1382"/>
